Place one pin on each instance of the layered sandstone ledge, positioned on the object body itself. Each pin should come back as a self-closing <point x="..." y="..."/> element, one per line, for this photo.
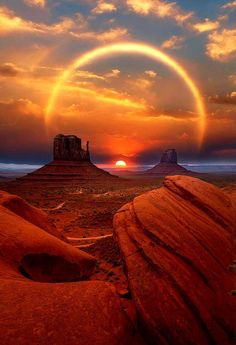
<point x="176" y="243"/>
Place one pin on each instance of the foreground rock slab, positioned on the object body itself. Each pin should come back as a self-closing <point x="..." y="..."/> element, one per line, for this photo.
<point x="82" y="313"/>
<point x="28" y="212"/>
<point x="176" y="243"/>
<point x="42" y="299"/>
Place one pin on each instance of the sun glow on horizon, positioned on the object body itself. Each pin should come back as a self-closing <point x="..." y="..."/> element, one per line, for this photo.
<point x="121" y="164"/>
<point x="131" y="48"/>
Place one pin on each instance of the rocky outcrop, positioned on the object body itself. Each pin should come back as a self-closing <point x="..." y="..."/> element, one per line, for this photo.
<point x="30" y="213"/>
<point x="169" y="156"/>
<point x="38" y="255"/>
<point x="69" y="148"/>
<point x="70" y="163"/>
<point x="168" y="165"/>
<point x="176" y="243"/>
<point x="36" y="311"/>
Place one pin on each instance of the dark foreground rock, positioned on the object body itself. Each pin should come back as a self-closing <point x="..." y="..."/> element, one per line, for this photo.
<point x="176" y="243"/>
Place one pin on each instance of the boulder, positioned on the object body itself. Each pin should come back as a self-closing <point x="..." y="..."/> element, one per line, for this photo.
<point x="35" y="310"/>
<point x="176" y="243"/>
<point x="30" y="213"/>
<point x="39" y="255"/>
<point x="82" y="313"/>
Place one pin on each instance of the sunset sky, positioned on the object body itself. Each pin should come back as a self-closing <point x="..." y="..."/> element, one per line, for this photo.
<point x="129" y="106"/>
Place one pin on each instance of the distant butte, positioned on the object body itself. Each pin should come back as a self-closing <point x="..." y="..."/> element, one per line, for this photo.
<point x="168" y="165"/>
<point x="70" y="162"/>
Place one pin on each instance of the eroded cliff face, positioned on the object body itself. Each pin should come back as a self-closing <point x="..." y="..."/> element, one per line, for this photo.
<point x="69" y="148"/>
<point x="70" y="163"/>
<point x="168" y="166"/>
<point x="176" y="243"/>
<point x="169" y="156"/>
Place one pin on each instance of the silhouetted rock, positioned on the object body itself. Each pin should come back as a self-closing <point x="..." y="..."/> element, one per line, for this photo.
<point x="169" y="156"/>
<point x="176" y="243"/>
<point x="69" y="148"/>
<point x="71" y="163"/>
<point x="168" y="165"/>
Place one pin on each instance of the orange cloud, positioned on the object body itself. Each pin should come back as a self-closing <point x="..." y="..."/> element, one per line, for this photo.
<point x="228" y="99"/>
<point x="174" y="42"/>
<point x="9" y="70"/>
<point x="159" y="8"/>
<point x="221" y="45"/>
<point x="232" y="78"/>
<point x="38" y="3"/>
<point x="113" y="34"/>
<point x="104" y="7"/>
<point x="11" y="23"/>
<point x="113" y="74"/>
<point x="151" y="73"/>
<point x="206" y="25"/>
<point x="230" y="5"/>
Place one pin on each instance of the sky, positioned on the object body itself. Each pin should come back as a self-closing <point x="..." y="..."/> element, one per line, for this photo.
<point x="129" y="106"/>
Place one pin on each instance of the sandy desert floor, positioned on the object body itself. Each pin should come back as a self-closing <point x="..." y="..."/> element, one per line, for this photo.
<point x="84" y="212"/>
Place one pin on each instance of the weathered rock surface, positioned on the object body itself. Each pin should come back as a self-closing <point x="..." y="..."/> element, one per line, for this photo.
<point x="82" y="313"/>
<point x="36" y="311"/>
<point x="169" y="156"/>
<point x="176" y="243"/>
<point x="168" y="165"/>
<point x="28" y="212"/>
<point x="39" y="255"/>
<point x="69" y="148"/>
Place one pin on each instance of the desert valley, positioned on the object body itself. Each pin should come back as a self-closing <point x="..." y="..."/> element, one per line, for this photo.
<point x="136" y="259"/>
<point x="117" y="172"/>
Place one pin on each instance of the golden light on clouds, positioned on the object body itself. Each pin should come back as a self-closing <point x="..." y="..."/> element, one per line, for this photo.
<point x="130" y="48"/>
<point x="38" y="3"/>
<point x="222" y="45"/>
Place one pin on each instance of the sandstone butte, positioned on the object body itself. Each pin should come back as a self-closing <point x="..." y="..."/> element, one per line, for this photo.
<point x="70" y="163"/>
<point x="176" y="243"/>
<point x="168" y="165"/>
<point x="43" y="299"/>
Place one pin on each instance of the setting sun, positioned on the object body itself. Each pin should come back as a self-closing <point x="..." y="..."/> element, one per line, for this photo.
<point x="121" y="164"/>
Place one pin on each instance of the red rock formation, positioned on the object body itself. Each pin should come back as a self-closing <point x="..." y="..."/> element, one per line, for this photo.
<point x="69" y="148"/>
<point x="176" y="242"/>
<point x="70" y="163"/>
<point x="36" y="311"/>
<point x="82" y="313"/>
<point x="168" y="165"/>
<point x="30" y="213"/>
<point x="39" y="255"/>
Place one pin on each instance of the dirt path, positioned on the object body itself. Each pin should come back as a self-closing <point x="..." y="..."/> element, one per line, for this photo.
<point x="88" y="238"/>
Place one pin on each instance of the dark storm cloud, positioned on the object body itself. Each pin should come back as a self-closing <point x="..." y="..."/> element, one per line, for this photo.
<point x="22" y="132"/>
<point x="226" y="99"/>
<point x="9" y="70"/>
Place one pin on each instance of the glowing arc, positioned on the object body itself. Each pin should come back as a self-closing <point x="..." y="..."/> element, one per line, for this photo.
<point x="131" y="48"/>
